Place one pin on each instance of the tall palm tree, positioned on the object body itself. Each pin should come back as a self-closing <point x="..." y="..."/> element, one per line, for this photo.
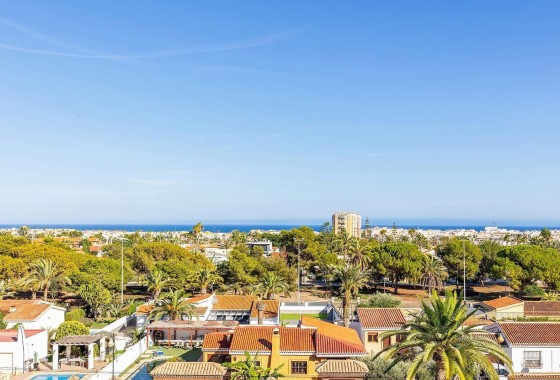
<point x="437" y="334"/>
<point x="433" y="273"/>
<point x="249" y="370"/>
<point x="196" y="231"/>
<point x="173" y="305"/>
<point x="205" y="277"/>
<point x="44" y="274"/>
<point x="383" y="233"/>
<point x="351" y="278"/>
<point x="157" y="283"/>
<point x="358" y="252"/>
<point x="343" y="242"/>
<point x="271" y="284"/>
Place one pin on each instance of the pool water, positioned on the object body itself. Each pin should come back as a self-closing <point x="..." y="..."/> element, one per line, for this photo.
<point x="144" y="372"/>
<point x="54" y="376"/>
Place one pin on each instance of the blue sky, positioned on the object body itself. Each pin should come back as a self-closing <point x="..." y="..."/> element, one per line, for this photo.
<point x="152" y="112"/>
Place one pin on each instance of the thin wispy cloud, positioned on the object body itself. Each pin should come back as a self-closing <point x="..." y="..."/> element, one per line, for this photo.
<point x="81" y="52"/>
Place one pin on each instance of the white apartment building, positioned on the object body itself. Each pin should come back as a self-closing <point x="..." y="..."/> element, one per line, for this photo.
<point x="347" y="221"/>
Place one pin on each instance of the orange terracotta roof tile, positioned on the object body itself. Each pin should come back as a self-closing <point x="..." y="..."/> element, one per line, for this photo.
<point x="329" y="346"/>
<point x="332" y="330"/>
<point x="531" y="333"/>
<point x="271" y="308"/>
<point x="342" y="367"/>
<point x="145" y="309"/>
<point x="259" y="338"/>
<point x="189" y="369"/>
<point x="217" y="341"/>
<point x="234" y="302"/>
<point x="26" y="310"/>
<point x="506" y="301"/>
<point x="542" y="308"/>
<point x="381" y="318"/>
<point x="478" y="321"/>
<point x="536" y="376"/>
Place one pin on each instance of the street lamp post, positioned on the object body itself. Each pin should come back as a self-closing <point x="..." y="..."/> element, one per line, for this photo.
<point x="111" y="345"/>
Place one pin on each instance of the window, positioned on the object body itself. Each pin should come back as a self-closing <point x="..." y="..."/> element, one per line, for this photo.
<point x="373" y="337"/>
<point x="532" y="359"/>
<point x="400" y="338"/>
<point x="299" y="368"/>
<point x="258" y="363"/>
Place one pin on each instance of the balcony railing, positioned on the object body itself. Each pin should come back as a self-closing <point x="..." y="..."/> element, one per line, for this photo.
<point x="532" y="363"/>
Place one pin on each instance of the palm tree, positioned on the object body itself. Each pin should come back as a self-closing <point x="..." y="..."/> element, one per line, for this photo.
<point x="196" y="231"/>
<point x="173" y="305"/>
<point x="249" y="370"/>
<point x="437" y="334"/>
<point x="383" y="233"/>
<point x="157" y="282"/>
<point x="358" y="251"/>
<point x="433" y="273"/>
<point x="44" y="274"/>
<point x="351" y="278"/>
<point x="5" y="289"/>
<point x="343" y="242"/>
<point x="270" y="284"/>
<point x="114" y="310"/>
<point x="205" y="277"/>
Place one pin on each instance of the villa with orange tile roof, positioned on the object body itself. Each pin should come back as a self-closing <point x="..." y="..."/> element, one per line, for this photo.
<point x="372" y="322"/>
<point x="301" y="352"/>
<point x="213" y="311"/>
<point x="534" y="348"/>
<point x="32" y="314"/>
<point x="504" y="308"/>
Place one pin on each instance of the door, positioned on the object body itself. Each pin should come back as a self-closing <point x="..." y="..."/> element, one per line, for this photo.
<point x="6" y="362"/>
<point x="386" y="342"/>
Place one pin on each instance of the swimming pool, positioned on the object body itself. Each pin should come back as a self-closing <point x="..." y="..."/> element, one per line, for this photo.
<point x="54" y="376"/>
<point x="144" y="372"/>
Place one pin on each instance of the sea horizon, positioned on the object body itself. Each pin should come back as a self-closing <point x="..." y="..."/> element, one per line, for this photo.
<point x="247" y="227"/>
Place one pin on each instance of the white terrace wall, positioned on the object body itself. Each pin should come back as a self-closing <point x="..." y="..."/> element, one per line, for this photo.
<point x="124" y="360"/>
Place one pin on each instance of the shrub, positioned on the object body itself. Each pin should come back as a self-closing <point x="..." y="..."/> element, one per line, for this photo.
<point x="75" y="315"/>
<point x="88" y="322"/>
<point x="71" y="328"/>
<point x="533" y="291"/>
<point x="382" y="300"/>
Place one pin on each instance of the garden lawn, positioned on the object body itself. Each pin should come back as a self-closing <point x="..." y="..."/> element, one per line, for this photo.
<point x="295" y="317"/>
<point x="191" y="355"/>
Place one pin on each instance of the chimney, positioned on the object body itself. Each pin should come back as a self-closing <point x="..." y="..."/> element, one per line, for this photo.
<point x="275" y="349"/>
<point x="260" y="312"/>
<point x="13" y="309"/>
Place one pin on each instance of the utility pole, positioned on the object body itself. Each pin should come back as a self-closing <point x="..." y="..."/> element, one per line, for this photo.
<point x="298" y="242"/>
<point x="122" y="239"/>
<point x="464" y="274"/>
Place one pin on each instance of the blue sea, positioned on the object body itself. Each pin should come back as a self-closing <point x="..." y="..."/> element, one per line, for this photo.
<point x="244" y="227"/>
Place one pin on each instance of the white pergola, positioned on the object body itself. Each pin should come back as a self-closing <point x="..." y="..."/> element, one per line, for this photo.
<point x="80" y="340"/>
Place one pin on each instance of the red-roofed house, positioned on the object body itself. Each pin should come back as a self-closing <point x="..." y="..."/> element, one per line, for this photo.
<point x="301" y="351"/>
<point x="32" y="314"/>
<point x="534" y="347"/>
<point x="504" y="308"/>
<point x="372" y="322"/>
<point x="18" y="348"/>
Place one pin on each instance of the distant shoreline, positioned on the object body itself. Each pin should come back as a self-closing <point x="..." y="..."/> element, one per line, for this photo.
<point x="248" y="227"/>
